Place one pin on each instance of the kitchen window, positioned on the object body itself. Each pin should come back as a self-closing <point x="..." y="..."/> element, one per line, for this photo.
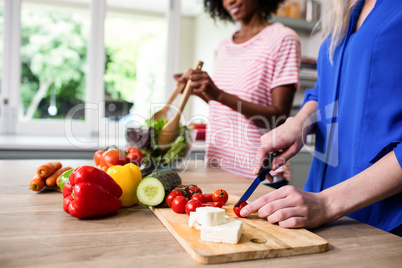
<point x="54" y="42"/>
<point x="1" y="44"/>
<point x="135" y="47"/>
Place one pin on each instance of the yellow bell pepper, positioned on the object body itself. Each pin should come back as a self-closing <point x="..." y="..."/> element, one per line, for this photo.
<point x="127" y="177"/>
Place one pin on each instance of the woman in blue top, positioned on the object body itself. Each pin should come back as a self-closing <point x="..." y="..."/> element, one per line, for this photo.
<point x="356" y="112"/>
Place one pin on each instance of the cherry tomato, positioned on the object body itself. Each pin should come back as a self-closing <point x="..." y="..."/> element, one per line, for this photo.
<point x="182" y="188"/>
<point x="179" y="204"/>
<point x="112" y="157"/>
<point x="213" y="204"/>
<point x="237" y="209"/>
<point x="104" y="168"/>
<point x="97" y="157"/>
<point x="192" y="205"/>
<point x="192" y="189"/>
<point x="172" y="195"/>
<point x="220" y="196"/>
<point x="134" y="155"/>
<point x="208" y="197"/>
<point x="200" y="197"/>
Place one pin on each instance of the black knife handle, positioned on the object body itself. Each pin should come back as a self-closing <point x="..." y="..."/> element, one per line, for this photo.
<point x="267" y="165"/>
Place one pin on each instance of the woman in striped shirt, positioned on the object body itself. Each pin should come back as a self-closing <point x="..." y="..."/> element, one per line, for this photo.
<point x="252" y="90"/>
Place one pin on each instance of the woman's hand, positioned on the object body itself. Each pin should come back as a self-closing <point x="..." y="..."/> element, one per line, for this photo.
<point x="288" y="138"/>
<point x="203" y="86"/>
<point x="182" y="78"/>
<point x="290" y="207"/>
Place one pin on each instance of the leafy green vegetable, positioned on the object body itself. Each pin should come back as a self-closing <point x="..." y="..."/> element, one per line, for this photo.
<point x="176" y="151"/>
<point x="165" y="158"/>
<point x="156" y="124"/>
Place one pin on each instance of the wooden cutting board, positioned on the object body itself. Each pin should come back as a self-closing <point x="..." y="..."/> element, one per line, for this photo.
<point x="260" y="238"/>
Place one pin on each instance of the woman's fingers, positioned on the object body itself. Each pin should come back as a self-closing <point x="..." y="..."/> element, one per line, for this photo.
<point x="179" y="78"/>
<point x="269" y="143"/>
<point x="285" y="214"/>
<point x="285" y="155"/>
<point x="285" y="138"/>
<point x="283" y="198"/>
<point x="290" y="207"/>
<point x="293" y="222"/>
<point x="199" y="80"/>
<point x="262" y="152"/>
<point x="264" y="200"/>
<point x="198" y="86"/>
<point x="196" y="75"/>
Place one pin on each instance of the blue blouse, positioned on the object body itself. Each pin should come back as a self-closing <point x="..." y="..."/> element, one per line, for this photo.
<point x="359" y="116"/>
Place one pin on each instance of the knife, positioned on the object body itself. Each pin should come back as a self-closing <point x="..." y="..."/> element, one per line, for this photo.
<point x="262" y="173"/>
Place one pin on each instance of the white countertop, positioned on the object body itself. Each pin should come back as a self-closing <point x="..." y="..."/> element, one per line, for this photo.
<point x="56" y="143"/>
<point x="15" y="142"/>
<point x="63" y="143"/>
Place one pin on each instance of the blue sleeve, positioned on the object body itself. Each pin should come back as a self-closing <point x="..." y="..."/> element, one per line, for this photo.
<point x="311" y="94"/>
<point x="386" y="76"/>
<point x="395" y="146"/>
<point x="398" y="153"/>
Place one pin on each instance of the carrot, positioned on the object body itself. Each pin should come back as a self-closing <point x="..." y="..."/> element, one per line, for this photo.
<point x="52" y="179"/>
<point x="58" y="178"/>
<point x="37" y="183"/>
<point x="47" y="169"/>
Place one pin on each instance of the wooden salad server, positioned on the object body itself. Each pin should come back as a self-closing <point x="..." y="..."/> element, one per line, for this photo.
<point x="162" y="113"/>
<point x="169" y="131"/>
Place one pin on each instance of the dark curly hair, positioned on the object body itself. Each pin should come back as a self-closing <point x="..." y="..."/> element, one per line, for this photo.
<point x="217" y="11"/>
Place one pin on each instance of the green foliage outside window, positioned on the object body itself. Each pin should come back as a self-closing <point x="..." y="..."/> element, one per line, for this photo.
<point x="54" y="59"/>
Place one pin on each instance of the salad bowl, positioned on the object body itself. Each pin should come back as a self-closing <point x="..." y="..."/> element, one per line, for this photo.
<point x="167" y="157"/>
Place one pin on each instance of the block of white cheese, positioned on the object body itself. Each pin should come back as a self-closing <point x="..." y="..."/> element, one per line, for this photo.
<point x="214" y="227"/>
<point x="192" y="221"/>
<point x="229" y="232"/>
<point x="207" y="216"/>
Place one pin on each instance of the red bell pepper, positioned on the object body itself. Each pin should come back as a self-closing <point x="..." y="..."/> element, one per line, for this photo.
<point x="91" y="192"/>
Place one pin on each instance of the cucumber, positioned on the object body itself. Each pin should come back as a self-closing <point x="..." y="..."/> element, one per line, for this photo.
<point x="150" y="192"/>
<point x="152" y="189"/>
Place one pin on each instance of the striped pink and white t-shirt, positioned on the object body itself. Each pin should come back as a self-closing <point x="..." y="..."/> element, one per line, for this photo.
<point x="250" y="71"/>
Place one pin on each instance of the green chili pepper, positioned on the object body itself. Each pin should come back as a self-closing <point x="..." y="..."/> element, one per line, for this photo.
<point x="64" y="178"/>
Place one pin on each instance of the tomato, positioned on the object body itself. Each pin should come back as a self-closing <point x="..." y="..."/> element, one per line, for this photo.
<point x="200" y="197"/>
<point x="182" y="189"/>
<point x="181" y="186"/>
<point x="97" y="157"/>
<point x="112" y="157"/>
<point x="192" y="205"/>
<point x="238" y="208"/>
<point x="192" y="189"/>
<point x="208" y="197"/>
<point x="104" y="168"/>
<point x="220" y="196"/>
<point x="134" y="155"/>
<point x="172" y="195"/>
<point x="213" y="204"/>
<point x="179" y="204"/>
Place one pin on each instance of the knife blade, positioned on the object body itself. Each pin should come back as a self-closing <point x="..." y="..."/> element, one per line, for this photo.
<point x="262" y="173"/>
